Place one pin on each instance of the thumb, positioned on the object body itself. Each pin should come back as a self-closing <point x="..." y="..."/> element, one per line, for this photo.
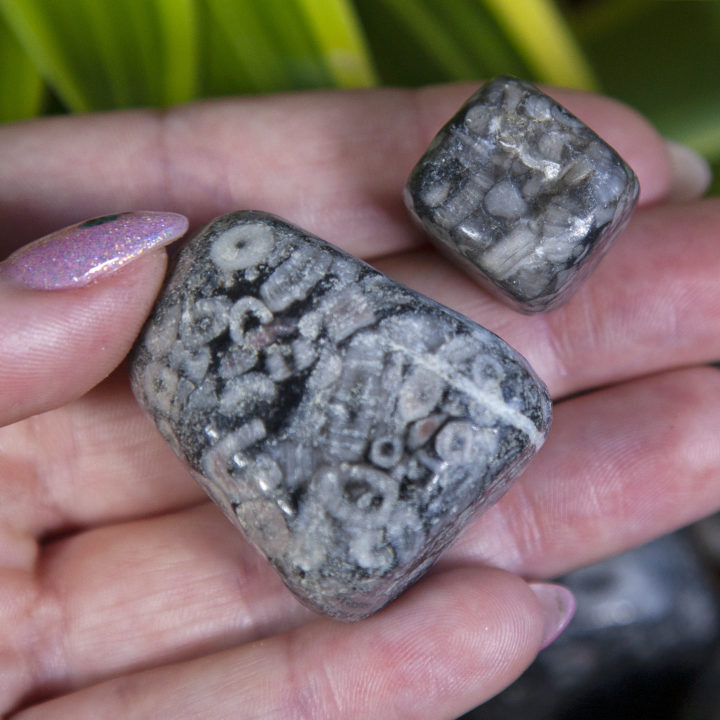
<point x="70" y="308"/>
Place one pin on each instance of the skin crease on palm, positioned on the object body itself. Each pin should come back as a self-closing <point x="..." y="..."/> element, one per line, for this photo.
<point x="124" y="593"/>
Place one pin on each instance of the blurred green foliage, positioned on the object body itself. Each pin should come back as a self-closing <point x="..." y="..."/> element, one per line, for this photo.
<point x="661" y="56"/>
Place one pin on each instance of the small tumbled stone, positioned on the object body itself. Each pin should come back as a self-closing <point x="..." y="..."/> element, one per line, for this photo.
<point x="521" y="194"/>
<point x="349" y="426"/>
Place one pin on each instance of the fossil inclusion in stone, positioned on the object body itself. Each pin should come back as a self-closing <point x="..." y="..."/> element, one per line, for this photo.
<point x="521" y="194"/>
<point x="349" y="426"/>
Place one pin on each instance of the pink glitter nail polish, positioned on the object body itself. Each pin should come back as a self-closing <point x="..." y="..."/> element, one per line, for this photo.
<point x="79" y="254"/>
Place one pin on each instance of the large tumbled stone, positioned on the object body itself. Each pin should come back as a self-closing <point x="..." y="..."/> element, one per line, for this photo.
<point x="521" y="194"/>
<point x="348" y="425"/>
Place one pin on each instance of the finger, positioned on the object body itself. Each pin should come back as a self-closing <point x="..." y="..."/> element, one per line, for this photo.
<point x="57" y="345"/>
<point x="443" y="648"/>
<point x="622" y="323"/>
<point x="333" y="162"/>
<point x="621" y="466"/>
<point x="134" y="595"/>
<point x="644" y="458"/>
<point x="652" y="304"/>
<point x="93" y="461"/>
<point x="61" y="331"/>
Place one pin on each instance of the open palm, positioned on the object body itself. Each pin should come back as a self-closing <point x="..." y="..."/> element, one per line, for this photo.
<point x="125" y="593"/>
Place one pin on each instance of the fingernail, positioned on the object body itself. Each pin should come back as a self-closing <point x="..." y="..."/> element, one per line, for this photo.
<point x="558" y="604"/>
<point x="691" y="173"/>
<point x="79" y="254"/>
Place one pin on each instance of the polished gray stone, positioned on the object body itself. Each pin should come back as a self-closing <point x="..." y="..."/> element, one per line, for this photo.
<point x="521" y="194"/>
<point x="349" y="426"/>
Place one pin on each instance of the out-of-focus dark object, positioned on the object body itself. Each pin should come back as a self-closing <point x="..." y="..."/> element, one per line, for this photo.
<point x="646" y="625"/>
<point x="704" y="700"/>
<point x="705" y="537"/>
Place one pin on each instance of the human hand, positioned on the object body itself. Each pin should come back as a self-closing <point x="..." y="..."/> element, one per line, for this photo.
<point x="125" y="593"/>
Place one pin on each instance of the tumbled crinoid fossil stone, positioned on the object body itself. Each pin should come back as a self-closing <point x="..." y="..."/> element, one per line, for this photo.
<point x="348" y="425"/>
<point x="521" y="194"/>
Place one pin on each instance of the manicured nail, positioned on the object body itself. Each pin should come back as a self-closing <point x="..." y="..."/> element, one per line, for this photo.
<point x="79" y="254"/>
<point x="559" y="606"/>
<point x="691" y="173"/>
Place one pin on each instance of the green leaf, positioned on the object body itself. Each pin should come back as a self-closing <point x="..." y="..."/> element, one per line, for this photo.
<point x="663" y="59"/>
<point x="339" y="37"/>
<point x="178" y="37"/>
<point x="602" y="17"/>
<point x="714" y="188"/>
<point x="21" y="87"/>
<point x="99" y="54"/>
<point x="542" y="37"/>
<point x="220" y="71"/>
<point x="283" y="45"/>
<point x="268" y="47"/>
<point x="431" y="41"/>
